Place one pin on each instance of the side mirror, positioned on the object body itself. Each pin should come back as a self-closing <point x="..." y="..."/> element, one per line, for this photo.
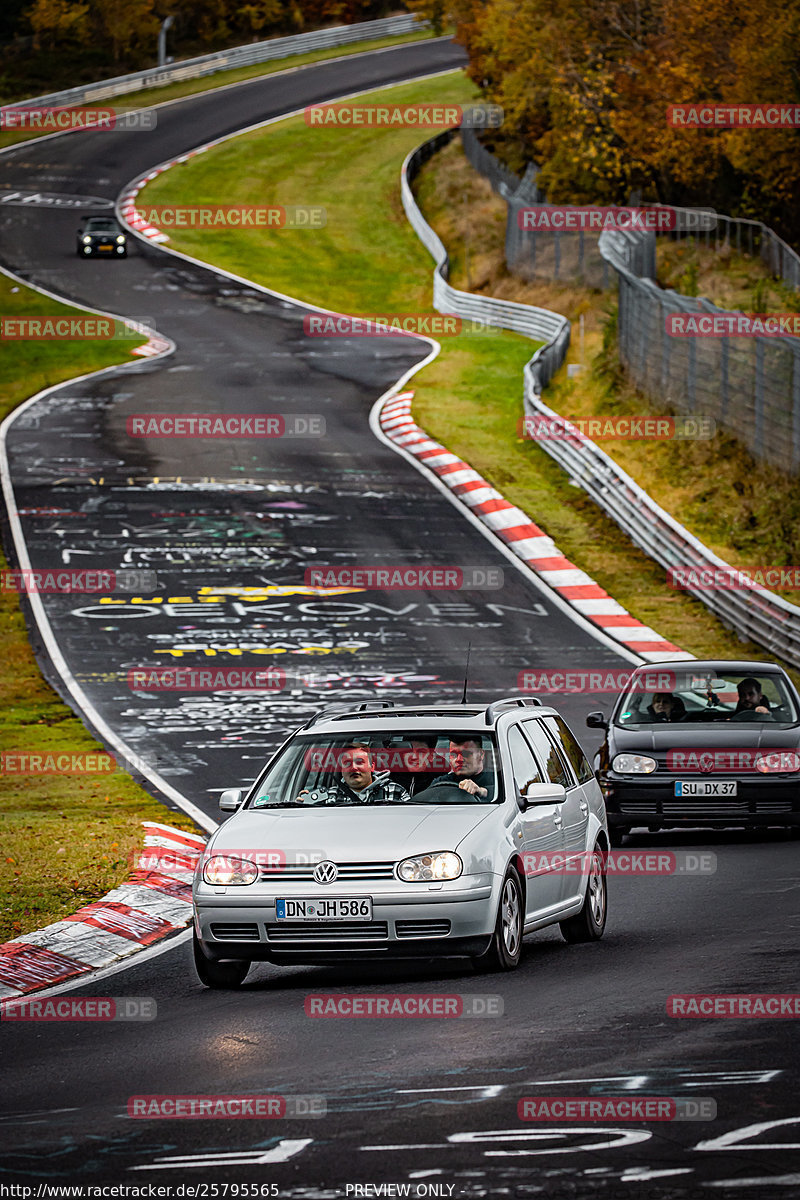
<point x="596" y="720"/>
<point x="230" y="799"/>
<point x="542" y="793"/>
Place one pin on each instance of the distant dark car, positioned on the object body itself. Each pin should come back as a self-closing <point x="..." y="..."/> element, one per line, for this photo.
<point x="702" y="743"/>
<point x="102" y="235"/>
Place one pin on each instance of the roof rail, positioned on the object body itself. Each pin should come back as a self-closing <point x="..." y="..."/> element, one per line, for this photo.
<point x="494" y="709"/>
<point x="344" y="707"/>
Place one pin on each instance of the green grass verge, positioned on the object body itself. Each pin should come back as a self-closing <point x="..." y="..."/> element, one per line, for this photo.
<point x="729" y="278"/>
<point x="191" y="87"/>
<point x="64" y="839"/>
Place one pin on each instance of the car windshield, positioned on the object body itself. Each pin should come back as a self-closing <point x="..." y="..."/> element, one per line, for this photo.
<point x="381" y="768"/>
<point x="101" y="225"/>
<point x="701" y="696"/>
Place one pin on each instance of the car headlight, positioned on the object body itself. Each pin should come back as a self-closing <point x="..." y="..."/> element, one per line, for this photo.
<point x="121" y="237"/>
<point x="633" y="764"/>
<point x="86" y="240"/>
<point x="427" y="868"/>
<point x="778" y="760"/>
<point x="225" y="871"/>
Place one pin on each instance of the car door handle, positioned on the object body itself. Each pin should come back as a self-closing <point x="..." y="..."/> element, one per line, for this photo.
<point x="557" y="820"/>
<point x="584" y="808"/>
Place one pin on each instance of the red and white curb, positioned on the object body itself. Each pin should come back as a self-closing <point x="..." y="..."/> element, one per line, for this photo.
<point x="127" y="201"/>
<point x="523" y="537"/>
<point x="154" y="902"/>
<point x="132" y="217"/>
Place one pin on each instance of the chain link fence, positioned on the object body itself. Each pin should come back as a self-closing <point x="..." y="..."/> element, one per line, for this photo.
<point x="749" y="384"/>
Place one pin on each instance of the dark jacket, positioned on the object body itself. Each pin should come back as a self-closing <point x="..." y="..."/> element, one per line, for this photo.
<point x="484" y="780"/>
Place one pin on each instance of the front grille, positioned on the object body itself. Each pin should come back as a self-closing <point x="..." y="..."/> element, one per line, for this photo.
<point x="348" y="872"/>
<point x="421" y="929"/>
<point x="639" y="808"/>
<point x="705" y="806"/>
<point x="773" y="806"/>
<point x="333" y="933"/>
<point x="245" y="932"/>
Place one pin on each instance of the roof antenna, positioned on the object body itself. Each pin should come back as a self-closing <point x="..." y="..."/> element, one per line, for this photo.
<point x="466" y="673"/>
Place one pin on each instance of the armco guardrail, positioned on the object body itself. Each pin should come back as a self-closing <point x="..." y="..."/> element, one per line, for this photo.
<point x="538" y="323"/>
<point x="227" y="60"/>
<point x="756" y="614"/>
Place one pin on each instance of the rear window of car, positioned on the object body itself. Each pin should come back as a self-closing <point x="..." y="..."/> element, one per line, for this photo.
<point x="421" y="767"/>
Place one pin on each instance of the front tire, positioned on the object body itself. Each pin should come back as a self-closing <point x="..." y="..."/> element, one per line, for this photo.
<point x="588" y="925"/>
<point x="505" y="950"/>
<point x="213" y="974"/>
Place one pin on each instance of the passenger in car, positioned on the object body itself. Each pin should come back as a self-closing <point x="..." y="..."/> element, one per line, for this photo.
<point x="666" y="707"/>
<point x="467" y="769"/>
<point x="358" y="783"/>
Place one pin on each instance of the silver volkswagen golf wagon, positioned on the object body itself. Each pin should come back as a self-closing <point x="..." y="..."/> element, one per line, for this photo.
<point x="379" y="831"/>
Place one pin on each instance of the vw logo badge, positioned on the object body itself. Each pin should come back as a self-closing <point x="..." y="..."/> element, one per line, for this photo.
<point x="325" y="872"/>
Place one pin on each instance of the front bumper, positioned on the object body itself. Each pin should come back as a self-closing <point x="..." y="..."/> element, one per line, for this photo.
<point x="651" y="801"/>
<point x="409" y="924"/>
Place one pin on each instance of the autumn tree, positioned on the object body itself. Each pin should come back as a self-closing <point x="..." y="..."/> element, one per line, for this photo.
<point x="55" y="22"/>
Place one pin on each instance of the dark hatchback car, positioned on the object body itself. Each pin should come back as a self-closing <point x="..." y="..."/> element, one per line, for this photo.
<point x="103" y="236"/>
<point x="702" y="743"/>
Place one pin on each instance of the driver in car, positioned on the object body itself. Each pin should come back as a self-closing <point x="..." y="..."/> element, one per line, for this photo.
<point x="751" y="697"/>
<point x="358" y="783"/>
<point x="467" y="769"/>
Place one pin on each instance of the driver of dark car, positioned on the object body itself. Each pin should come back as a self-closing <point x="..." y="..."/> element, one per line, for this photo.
<point x="467" y="769"/>
<point x="666" y="707"/>
<point x="751" y="697"/>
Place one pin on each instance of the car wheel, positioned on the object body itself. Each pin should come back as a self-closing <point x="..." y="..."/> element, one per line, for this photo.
<point x="213" y="974"/>
<point x="506" y="946"/>
<point x="589" y="923"/>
